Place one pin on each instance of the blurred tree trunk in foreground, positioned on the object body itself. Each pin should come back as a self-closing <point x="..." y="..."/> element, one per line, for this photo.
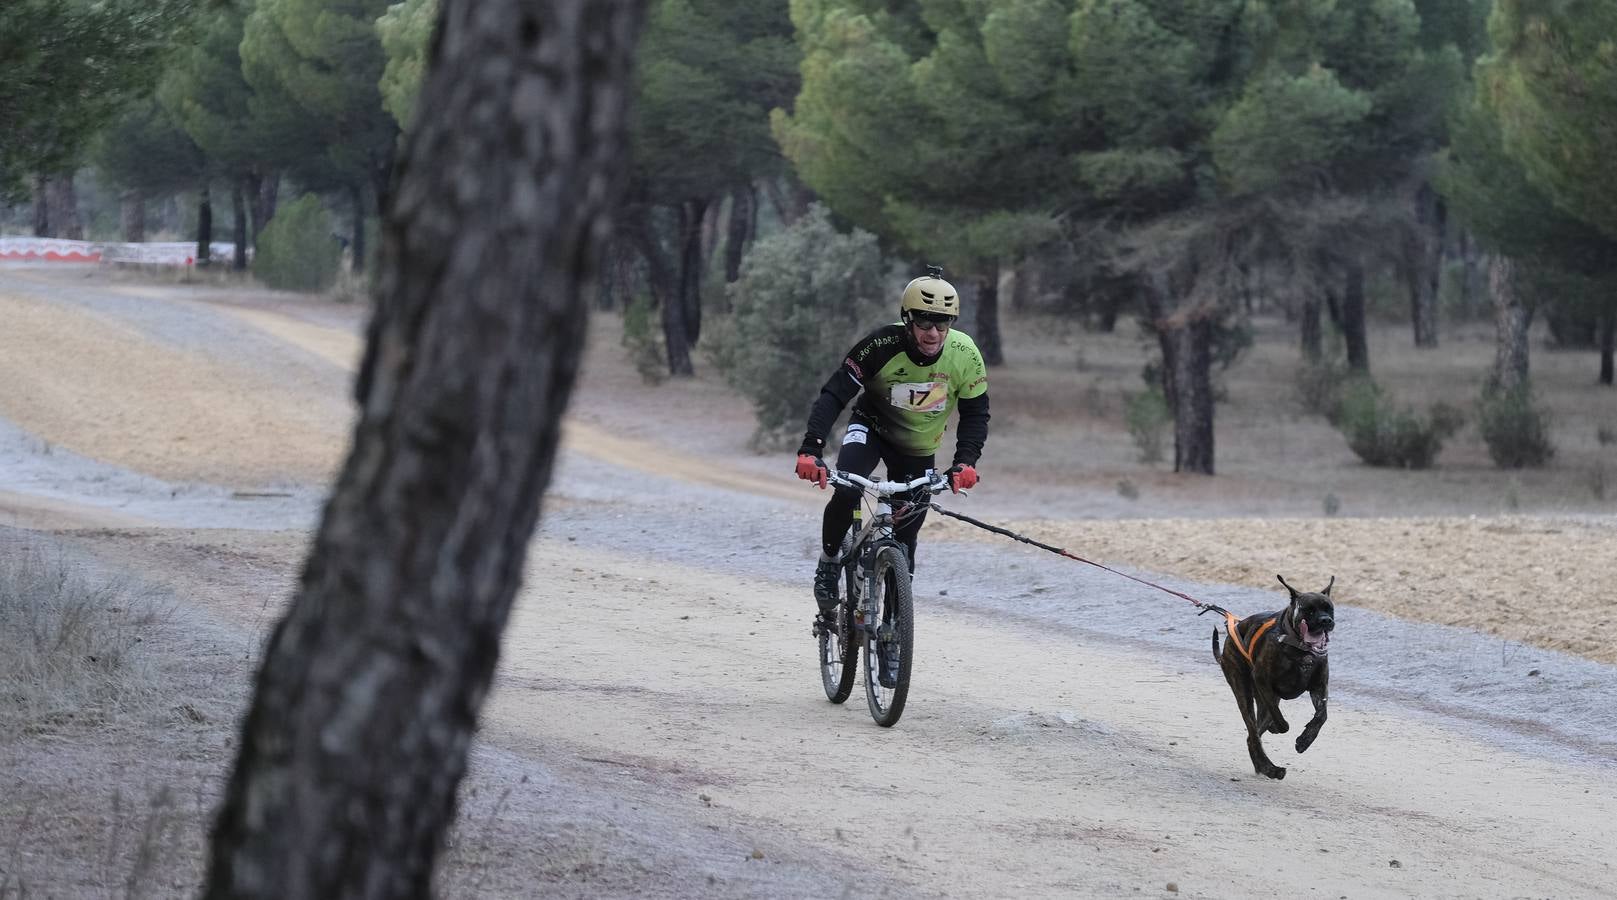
<point x="371" y="685"/>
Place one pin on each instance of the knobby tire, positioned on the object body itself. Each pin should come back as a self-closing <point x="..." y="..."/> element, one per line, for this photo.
<point x="838" y="680"/>
<point x="896" y="606"/>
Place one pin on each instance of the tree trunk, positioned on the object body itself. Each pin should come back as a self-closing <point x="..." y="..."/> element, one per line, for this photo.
<point x="356" y="200"/>
<point x="370" y="689"/>
<point x="1511" y="319"/>
<point x="1353" y="328"/>
<point x="1608" y="338"/>
<point x="1423" y="265"/>
<point x="743" y="219"/>
<point x="63" y="197"/>
<point x="615" y="276"/>
<point x="238" y="210"/>
<point x="1186" y="340"/>
<point x="1192" y="369"/>
<point x="204" y="227"/>
<point x="132" y="215"/>
<point x="56" y="208"/>
<point x="712" y="212"/>
<point x="664" y="286"/>
<point x="789" y="203"/>
<point x="986" y="327"/>
<point x="691" y="214"/>
<point x="42" y="208"/>
<point x="1313" y="335"/>
<point x="266" y="190"/>
<point x="1463" y="240"/>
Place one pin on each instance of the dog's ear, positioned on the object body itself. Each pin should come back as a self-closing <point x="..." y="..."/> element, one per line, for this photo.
<point x="1289" y="588"/>
<point x="1327" y="591"/>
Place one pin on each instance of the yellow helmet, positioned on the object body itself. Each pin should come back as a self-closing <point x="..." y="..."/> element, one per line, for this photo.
<point x="930" y="294"/>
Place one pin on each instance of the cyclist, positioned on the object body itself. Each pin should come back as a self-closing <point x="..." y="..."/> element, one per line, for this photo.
<point x="907" y="376"/>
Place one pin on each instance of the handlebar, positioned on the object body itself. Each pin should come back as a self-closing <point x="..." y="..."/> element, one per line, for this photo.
<point x="935" y="483"/>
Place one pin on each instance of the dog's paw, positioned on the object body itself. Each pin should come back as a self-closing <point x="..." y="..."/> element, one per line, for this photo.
<point x="1279" y="726"/>
<point x="1305" y="740"/>
<point x="1275" y="772"/>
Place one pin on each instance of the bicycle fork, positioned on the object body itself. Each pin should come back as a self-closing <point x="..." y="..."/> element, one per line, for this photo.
<point x="868" y="535"/>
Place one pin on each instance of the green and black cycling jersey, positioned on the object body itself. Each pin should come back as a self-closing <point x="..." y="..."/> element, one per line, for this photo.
<point x="906" y="398"/>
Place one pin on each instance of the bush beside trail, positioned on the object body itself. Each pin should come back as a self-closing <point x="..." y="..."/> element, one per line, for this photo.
<point x="1383" y="433"/>
<point x="804" y="296"/>
<point x="1515" y="428"/>
<point x="297" y="251"/>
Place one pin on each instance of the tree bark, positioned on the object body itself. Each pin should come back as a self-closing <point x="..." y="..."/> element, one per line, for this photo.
<point x="1423" y="265"/>
<point x="132" y="215"/>
<point x="1608" y="342"/>
<point x="238" y="212"/>
<point x="1308" y="322"/>
<point x="63" y="196"/>
<point x="371" y="685"/>
<point x="266" y="190"/>
<point x="789" y="203"/>
<point x="691" y="214"/>
<point x="1353" y="327"/>
<point x="986" y="325"/>
<point x="664" y="287"/>
<point x="56" y="208"/>
<point x="743" y="219"/>
<point x="1511" y="320"/>
<point x="356" y="199"/>
<point x="204" y="227"/>
<point x="1192" y="341"/>
<point x="42" y="207"/>
<point x="1186" y="340"/>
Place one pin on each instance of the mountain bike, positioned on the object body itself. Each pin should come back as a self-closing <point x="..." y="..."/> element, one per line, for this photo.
<point x="875" y="618"/>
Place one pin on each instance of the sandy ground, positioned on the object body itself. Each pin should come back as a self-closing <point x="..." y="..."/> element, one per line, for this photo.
<point x="658" y="729"/>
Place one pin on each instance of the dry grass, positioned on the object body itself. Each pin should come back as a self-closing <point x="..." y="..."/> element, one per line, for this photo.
<point x="70" y="644"/>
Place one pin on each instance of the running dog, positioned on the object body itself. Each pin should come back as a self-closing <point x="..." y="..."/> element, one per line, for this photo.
<point x="1277" y="656"/>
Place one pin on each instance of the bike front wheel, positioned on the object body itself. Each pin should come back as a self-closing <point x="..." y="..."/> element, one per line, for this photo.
<point x="890" y="644"/>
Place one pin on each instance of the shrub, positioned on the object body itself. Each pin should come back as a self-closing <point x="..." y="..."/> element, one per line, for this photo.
<point x="1515" y="429"/>
<point x="69" y="645"/>
<point x="1319" y="384"/>
<point x="296" y="251"/>
<point x="1147" y="416"/>
<point x="804" y="296"/>
<point x="643" y="338"/>
<point x="1384" y="434"/>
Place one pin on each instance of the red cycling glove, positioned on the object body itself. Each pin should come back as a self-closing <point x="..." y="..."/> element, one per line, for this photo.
<point x="812" y="468"/>
<point x="962" y="478"/>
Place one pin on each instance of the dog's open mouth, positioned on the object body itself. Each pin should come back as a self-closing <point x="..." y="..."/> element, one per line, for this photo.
<point x="1315" y="642"/>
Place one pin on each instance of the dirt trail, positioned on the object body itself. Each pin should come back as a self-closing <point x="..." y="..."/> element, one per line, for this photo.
<point x="1027" y="764"/>
<point x="1031" y="762"/>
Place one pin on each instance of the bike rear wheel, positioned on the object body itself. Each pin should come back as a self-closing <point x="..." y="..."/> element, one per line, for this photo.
<point x="890" y="645"/>
<point x="839" y="650"/>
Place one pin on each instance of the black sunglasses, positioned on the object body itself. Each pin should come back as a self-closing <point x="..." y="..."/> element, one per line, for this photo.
<point x="931" y="321"/>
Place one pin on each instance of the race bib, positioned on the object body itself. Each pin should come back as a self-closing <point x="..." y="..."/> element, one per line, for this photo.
<point x="926" y="397"/>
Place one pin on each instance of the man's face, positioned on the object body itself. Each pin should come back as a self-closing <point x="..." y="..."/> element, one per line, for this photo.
<point x="929" y="331"/>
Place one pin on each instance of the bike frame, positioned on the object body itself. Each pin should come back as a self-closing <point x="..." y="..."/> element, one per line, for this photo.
<point x="872" y="535"/>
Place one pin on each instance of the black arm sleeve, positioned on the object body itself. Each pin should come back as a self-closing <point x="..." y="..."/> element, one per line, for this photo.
<point x="838" y="390"/>
<point x="968" y="445"/>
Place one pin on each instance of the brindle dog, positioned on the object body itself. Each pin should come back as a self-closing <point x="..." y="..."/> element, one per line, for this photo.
<point x="1276" y="656"/>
